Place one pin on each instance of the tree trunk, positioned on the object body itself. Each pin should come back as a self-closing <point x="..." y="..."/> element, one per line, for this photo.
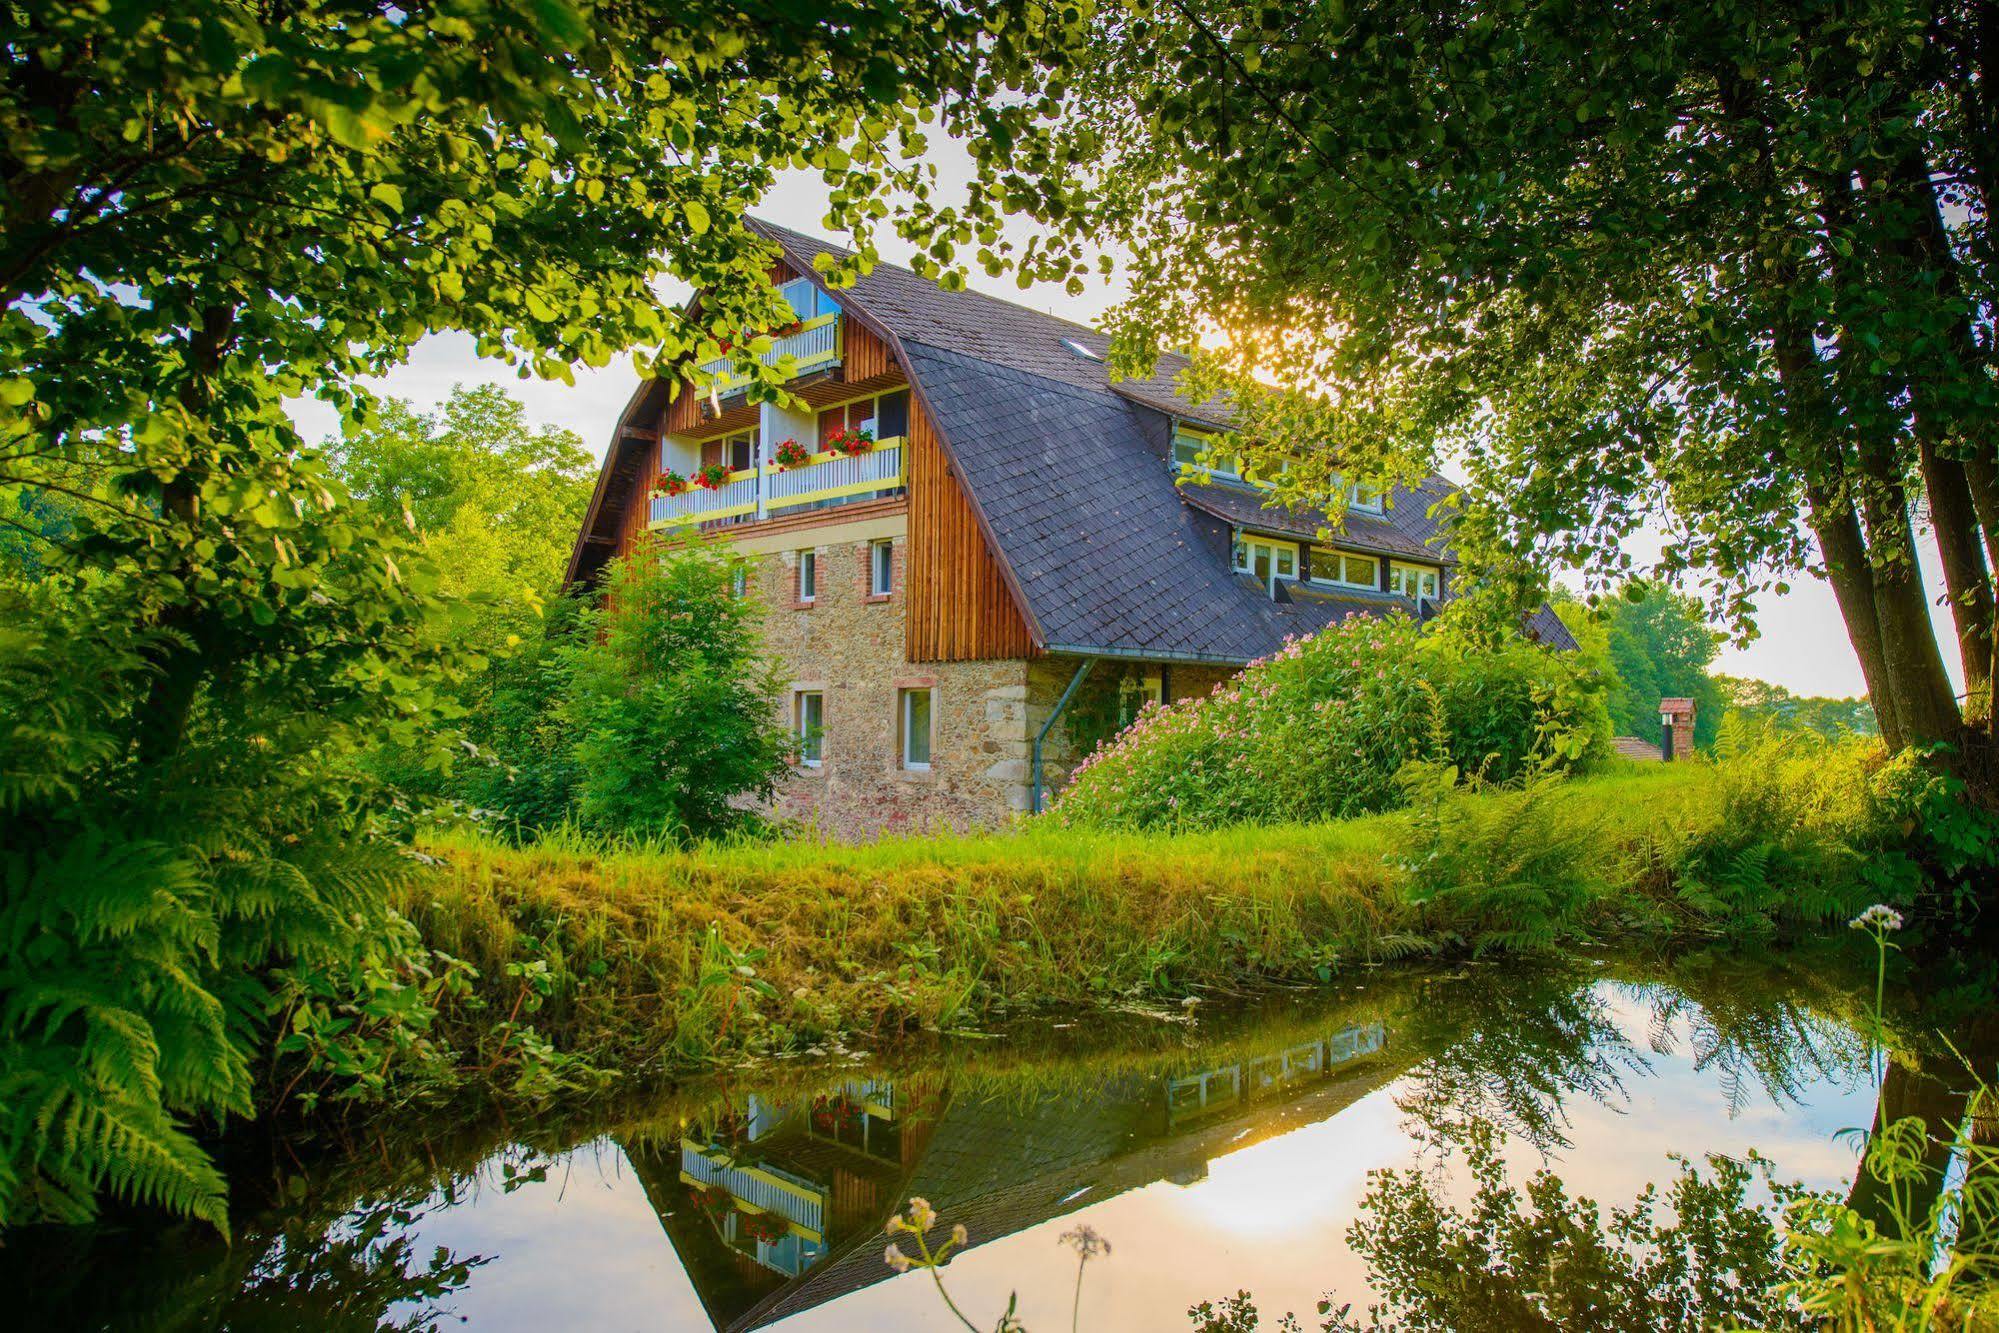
<point x="1904" y="1093"/>
<point x="1925" y="705"/>
<point x="1965" y="581"/>
<point x="181" y="658"/>
<point x="1844" y="551"/>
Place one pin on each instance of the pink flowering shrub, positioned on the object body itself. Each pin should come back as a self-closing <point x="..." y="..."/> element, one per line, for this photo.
<point x="1320" y="729"/>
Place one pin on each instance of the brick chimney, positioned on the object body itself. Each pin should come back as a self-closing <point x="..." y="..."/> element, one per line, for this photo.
<point x="1676" y="727"/>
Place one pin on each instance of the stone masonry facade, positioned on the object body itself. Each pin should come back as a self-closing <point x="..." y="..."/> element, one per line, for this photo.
<point x="847" y="644"/>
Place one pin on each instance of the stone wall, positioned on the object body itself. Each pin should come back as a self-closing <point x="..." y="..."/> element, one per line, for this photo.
<point x="849" y="645"/>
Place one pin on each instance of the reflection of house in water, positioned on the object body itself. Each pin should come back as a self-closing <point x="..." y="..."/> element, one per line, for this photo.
<point x="781" y="1209"/>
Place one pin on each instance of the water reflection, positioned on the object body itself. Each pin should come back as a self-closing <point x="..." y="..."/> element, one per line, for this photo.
<point x="1230" y="1153"/>
<point x="779" y="1207"/>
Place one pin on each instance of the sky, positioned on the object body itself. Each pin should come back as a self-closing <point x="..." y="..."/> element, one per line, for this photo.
<point x="1802" y="644"/>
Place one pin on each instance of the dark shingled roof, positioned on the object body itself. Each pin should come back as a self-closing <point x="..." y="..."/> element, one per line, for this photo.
<point x="1405" y="528"/>
<point x="1069" y="474"/>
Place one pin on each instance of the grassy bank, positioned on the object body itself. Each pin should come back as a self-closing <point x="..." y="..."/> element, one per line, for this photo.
<point x="685" y="957"/>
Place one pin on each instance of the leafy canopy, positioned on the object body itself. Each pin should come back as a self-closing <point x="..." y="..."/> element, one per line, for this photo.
<point x="1725" y="269"/>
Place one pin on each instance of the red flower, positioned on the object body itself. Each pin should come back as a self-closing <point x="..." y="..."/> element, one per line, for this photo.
<point x="712" y="478"/>
<point x="669" y="483"/>
<point x="792" y="454"/>
<point x="852" y="442"/>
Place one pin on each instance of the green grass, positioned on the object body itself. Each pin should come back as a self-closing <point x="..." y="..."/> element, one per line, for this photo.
<point x="658" y="955"/>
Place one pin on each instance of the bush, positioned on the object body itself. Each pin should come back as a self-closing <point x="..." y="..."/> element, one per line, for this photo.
<point x="1320" y="730"/>
<point x="668" y="700"/>
<point x="144" y="903"/>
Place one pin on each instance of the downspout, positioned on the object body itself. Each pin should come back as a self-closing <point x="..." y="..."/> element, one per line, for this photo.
<point x="1034" y="787"/>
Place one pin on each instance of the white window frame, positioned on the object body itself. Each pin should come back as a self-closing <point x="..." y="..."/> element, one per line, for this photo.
<point x="1222" y="464"/>
<point x="808" y="575"/>
<point x="822" y="303"/>
<point x="1363" y="498"/>
<point x="881" y="568"/>
<point x="1366" y="500"/>
<point x="1343" y="581"/>
<point x="1399" y="571"/>
<point x="906" y="701"/>
<point x="1246" y="546"/>
<point x="803" y="732"/>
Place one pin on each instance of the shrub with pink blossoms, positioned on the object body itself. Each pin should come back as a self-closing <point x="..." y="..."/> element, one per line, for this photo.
<point x="1320" y="729"/>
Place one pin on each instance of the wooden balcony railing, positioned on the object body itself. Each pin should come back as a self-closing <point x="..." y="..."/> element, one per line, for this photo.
<point x="770" y="489"/>
<point x="816" y="343"/>
<point x="766" y="1188"/>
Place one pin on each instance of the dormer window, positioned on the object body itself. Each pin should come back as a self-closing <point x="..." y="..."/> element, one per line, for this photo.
<point x="1413" y="581"/>
<point x="1344" y="569"/>
<point x="1360" y="496"/>
<point x="1196" y="451"/>
<point x="806" y="300"/>
<point x="1271" y="562"/>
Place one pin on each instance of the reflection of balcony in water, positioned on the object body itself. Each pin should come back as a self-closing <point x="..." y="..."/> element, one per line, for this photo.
<point x="999" y="1164"/>
<point x="1215" y="1091"/>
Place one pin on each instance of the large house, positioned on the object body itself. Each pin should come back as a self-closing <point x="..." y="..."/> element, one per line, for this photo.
<point x="978" y="553"/>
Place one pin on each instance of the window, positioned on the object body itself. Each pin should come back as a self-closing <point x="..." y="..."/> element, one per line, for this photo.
<point x="1190" y="448"/>
<point x="887" y="416"/>
<point x="735" y="452"/>
<point x="881" y="568"/>
<point x="915" y="729"/>
<point x="808" y="576"/>
<point x="1360" y="496"/>
<point x="1345" y="568"/>
<point x="1268" y="560"/>
<point x="808" y="716"/>
<point x="739" y="580"/>
<point x="1413" y="581"/>
<point x="807" y="301"/>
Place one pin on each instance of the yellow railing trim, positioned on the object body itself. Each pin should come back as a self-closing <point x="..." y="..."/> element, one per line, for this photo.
<point x="900" y="478"/>
<point x="828" y="455"/>
<point x="721" y="381"/>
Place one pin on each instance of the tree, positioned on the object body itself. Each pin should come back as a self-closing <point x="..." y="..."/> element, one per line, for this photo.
<point x="668" y="703"/>
<point x="207" y="208"/>
<point x="1761" y="702"/>
<point x="1660" y="645"/>
<point x="494" y="502"/>
<point x="1726" y="267"/>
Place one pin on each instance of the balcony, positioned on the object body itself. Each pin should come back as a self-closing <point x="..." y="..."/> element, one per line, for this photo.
<point x="813" y="345"/>
<point x="770" y="489"/>
<point x="763" y="1187"/>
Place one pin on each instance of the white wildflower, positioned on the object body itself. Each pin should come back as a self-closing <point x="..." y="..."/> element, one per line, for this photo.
<point x="1085" y="1241"/>
<point x="1878" y="917"/>
<point x="895" y="1258"/>
<point x="921" y="1216"/>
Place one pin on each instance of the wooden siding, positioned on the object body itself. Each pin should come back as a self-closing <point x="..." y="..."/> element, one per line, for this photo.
<point x="866" y="362"/>
<point x="960" y="608"/>
<point x="638" y="507"/>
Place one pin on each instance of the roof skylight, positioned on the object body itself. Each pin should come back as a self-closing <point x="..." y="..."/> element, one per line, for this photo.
<point x="1079" y="350"/>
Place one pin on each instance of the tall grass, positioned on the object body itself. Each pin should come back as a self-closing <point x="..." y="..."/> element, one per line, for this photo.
<point x="649" y="953"/>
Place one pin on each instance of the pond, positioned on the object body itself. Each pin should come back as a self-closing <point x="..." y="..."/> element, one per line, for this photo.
<point x="1216" y="1150"/>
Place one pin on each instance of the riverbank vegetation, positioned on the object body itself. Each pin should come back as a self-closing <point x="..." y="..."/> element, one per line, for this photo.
<point x="685" y="955"/>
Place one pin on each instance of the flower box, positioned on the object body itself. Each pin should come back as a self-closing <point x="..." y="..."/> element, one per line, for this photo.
<point x="712" y="478"/>
<point x="669" y="483"/>
<point x="792" y="454"/>
<point x="852" y="442"/>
